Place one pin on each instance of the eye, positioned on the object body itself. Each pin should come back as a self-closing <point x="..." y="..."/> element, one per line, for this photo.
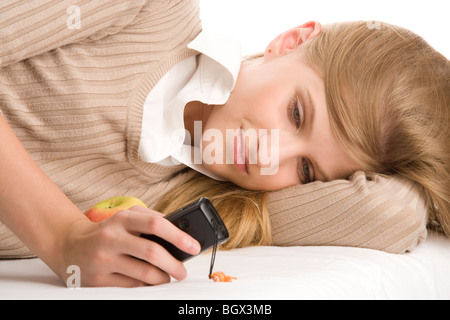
<point x="296" y="112"/>
<point x="305" y="171"/>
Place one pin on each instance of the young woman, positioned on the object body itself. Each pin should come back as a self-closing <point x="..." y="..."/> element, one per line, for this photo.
<point x="92" y="108"/>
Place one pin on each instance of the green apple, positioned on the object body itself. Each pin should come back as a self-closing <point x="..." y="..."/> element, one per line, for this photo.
<point x="107" y="208"/>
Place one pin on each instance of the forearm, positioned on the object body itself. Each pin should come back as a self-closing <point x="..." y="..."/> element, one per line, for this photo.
<point x="382" y="213"/>
<point x="109" y="253"/>
<point x="31" y="205"/>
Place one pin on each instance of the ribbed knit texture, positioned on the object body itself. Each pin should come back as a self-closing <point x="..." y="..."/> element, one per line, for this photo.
<point x="374" y="212"/>
<point x="74" y="98"/>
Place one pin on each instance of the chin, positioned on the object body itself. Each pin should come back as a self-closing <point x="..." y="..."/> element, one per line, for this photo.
<point x="244" y="183"/>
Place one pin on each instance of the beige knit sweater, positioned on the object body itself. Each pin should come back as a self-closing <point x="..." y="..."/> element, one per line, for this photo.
<point x="74" y="95"/>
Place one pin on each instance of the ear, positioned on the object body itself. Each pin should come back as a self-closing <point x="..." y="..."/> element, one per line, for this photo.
<point x="292" y="39"/>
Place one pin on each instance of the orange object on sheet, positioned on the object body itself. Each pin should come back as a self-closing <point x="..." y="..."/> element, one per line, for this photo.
<point x="219" y="276"/>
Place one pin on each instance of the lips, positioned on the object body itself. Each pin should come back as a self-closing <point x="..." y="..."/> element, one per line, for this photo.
<point x="239" y="151"/>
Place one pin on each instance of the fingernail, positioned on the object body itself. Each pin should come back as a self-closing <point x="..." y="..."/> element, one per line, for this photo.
<point x="183" y="274"/>
<point x="194" y="247"/>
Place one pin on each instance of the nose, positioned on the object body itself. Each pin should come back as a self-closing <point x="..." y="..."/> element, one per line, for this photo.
<point x="277" y="148"/>
<point x="290" y="147"/>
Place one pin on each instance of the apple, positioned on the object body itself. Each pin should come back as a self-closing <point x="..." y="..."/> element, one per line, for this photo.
<point x="107" y="208"/>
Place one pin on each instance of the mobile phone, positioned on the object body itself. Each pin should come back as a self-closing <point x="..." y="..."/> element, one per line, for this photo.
<point x="201" y="221"/>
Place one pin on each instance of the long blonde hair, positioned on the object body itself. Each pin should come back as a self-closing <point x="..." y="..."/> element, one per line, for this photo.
<point x="387" y="94"/>
<point x="388" y="98"/>
<point x="244" y="212"/>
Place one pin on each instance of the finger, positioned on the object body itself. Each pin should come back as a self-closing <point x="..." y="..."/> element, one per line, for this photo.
<point x="142" y="272"/>
<point x="146" y="211"/>
<point x="122" y="281"/>
<point x="146" y="221"/>
<point x="109" y="279"/>
<point x="153" y="254"/>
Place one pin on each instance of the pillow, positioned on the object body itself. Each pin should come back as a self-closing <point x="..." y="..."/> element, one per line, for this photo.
<point x="370" y="211"/>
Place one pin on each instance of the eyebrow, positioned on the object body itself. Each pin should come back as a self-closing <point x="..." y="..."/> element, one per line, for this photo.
<point x="312" y="108"/>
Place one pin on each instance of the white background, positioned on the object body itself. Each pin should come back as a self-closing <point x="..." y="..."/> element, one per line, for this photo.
<point x="256" y="22"/>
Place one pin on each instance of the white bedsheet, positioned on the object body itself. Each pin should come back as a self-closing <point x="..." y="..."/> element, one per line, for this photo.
<point x="268" y="273"/>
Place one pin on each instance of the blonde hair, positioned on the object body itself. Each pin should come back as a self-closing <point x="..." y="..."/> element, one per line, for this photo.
<point x="388" y="98"/>
<point x="387" y="93"/>
<point x="244" y="212"/>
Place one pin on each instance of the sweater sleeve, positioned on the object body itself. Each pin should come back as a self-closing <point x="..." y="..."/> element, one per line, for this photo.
<point x="29" y="28"/>
<point x="373" y="211"/>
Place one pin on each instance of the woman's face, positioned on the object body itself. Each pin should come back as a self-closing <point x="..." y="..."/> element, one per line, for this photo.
<point x="286" y="138"/>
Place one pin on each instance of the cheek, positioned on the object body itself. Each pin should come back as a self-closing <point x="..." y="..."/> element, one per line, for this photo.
<point x="257" y="95"/>
<point x="283" y="179"/>
<point x="267" y="109"/>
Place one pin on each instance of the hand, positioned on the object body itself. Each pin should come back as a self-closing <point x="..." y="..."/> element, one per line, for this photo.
<point x="112" y="253"/>
<point x="109" y="253"/>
